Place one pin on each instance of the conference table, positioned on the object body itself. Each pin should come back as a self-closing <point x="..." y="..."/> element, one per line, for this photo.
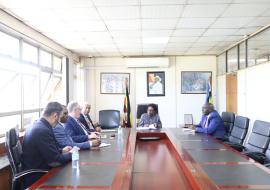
<point x="176" y="159"/>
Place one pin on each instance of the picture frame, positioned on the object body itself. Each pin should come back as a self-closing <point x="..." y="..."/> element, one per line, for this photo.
<point x="195" y="82"/>
<point x="114" y="83"/>
<point x="155" y="83"/>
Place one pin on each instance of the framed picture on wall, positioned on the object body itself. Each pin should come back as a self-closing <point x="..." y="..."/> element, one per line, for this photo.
<point x="156" y="83"/>
<point x="114" y="83"/>
<point x="194" y="82"/>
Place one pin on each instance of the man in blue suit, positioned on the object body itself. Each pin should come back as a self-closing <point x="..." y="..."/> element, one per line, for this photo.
<point x="74" y="127"/>
<point x="86" y="120"/>
<point x="63" y="139"/>
<point x="40" y="150"/>
<point x="211" y="122"/>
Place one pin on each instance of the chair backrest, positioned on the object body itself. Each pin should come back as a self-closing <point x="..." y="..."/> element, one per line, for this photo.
<point x="259" y="138"/>
<point x="239" y="130"/>
<point x="228" y="120"/>
<point x="14" y="150"/>
<point x="109" y="119"/>
<point x="141" y="109"/>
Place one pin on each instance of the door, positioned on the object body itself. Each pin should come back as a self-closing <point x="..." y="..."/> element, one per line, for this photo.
<point x="231" y="93"/>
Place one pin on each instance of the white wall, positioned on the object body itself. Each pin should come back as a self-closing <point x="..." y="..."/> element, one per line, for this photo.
<point x="221" y="93"/>
<point x="171" y="107"/>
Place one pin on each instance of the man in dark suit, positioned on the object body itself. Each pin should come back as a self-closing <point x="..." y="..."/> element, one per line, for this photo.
<point x="40" y="150"/>
<point x="74" y="127"/>
<point x="63" y="139"/>
<point x="211" y="122"/>
<point x="86" y="119"/>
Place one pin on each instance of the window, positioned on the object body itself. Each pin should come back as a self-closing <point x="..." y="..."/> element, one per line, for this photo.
<point x="9" y="45"/>
<point x="259" y="48"/>
<point x="232" y="59"/>
<point x="29" y="53"/>
<point x="28" y="82"/>
<point x="8" y="122"/>
<point x="242" y="55"/>
<point x="45" y="59"/>
<point x="221" y="64"/>
<point x="57" y="63"/>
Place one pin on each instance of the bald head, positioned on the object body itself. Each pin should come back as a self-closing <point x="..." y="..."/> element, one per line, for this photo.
<point x="86" y="108"/>
<point x="207" y="108"/>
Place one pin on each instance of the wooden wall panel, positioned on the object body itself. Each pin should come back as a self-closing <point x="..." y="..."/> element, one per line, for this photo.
<point x="231" y="93"/>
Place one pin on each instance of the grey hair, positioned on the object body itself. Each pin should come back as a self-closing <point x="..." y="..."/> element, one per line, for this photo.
<point x="52" y="107"/>
<point x="72" y="106"/>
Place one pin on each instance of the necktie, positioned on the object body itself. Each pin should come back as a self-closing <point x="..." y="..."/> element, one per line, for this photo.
<point x="88" y="122"/>
<point x="83" y="127"/>
<point x="207" y="121"/>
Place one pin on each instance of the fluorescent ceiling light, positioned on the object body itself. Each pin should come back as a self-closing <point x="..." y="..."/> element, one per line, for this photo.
<point x="156" y="40"/>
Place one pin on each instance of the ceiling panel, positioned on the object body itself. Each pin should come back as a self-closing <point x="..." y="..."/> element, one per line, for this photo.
<point x="133" y="24"/>
<point x="232" y="22"/>
<point x="151" y="24"/>
<point x="133" y="27"/>
<point x="219" y="32"/>
<point x="245" y="10"/>
<point x="123" y="12"/>
<point x="204" y="10"/>
<point x="166" y="11"/>
<point x="188" y="32"/>
<point x="163" y="2"/>
<point x="195" y="22"/>
<point x="110" y="3"/>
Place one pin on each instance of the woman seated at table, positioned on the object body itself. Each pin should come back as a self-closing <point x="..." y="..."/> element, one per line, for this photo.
<point x="151" y="118"/>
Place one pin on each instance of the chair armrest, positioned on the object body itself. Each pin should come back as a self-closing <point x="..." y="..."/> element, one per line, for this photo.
<point x="235" y="146"/>
<point x="257" y="156"/>
<point x="27" y="172"/>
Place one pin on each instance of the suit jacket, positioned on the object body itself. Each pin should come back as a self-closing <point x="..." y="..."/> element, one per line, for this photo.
<point x="74" y="130"/>
<point x="215" y="125"/>
<point x="40" y="150"/>
<point x="63" y="139"/>
<point x="84" y="122"/>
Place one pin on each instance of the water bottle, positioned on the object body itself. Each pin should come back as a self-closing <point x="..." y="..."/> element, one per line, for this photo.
<point x="75" y="157"/>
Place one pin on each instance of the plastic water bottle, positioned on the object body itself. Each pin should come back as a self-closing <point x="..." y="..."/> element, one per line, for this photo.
<point x="75" y="157"/>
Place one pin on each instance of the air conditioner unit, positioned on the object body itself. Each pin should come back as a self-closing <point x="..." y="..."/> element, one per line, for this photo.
<point x="142" y="62"/>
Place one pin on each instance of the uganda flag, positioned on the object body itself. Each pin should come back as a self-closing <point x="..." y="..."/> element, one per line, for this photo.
<point x="127" y="109"/>
<point x="209" y="98"/>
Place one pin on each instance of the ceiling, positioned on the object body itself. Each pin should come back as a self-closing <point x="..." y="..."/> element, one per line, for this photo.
<point x="142" y="27"/>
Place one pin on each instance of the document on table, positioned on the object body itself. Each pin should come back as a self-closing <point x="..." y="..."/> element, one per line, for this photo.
<point x="104" y="145"/>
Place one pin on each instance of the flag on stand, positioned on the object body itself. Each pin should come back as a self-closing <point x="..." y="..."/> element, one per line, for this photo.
<point x="209" y="98"/>
<point x="127" y="109"/>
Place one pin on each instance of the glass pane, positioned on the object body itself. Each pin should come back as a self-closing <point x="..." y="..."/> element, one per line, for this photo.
<point x="9" y="45"/>
<point x="259" y="48"/>
<point x="29" y="118"/>
<point x="59" y="93"/>
<point x="9" y="122"/>
<point x="29" y="53"/>
<point x="45" y="59"/>
<point x="242" y="55"/>
<point x="232" y="59"/>
<point x="221" y="64"/>
<point x="10" y="86"/>
<point x="31" y="92"/>
<point x="46" y="87"/>
<point x="57" y="63"/>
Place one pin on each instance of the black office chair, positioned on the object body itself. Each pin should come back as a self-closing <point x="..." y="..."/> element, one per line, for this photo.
<point x="109" y="119"/>
<point x="238" y="133"/>
<point x="258" y="141"/>
<point x="228" y="120"/>
<point x="14" y="152"/>
<point x="267" y="157"/>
